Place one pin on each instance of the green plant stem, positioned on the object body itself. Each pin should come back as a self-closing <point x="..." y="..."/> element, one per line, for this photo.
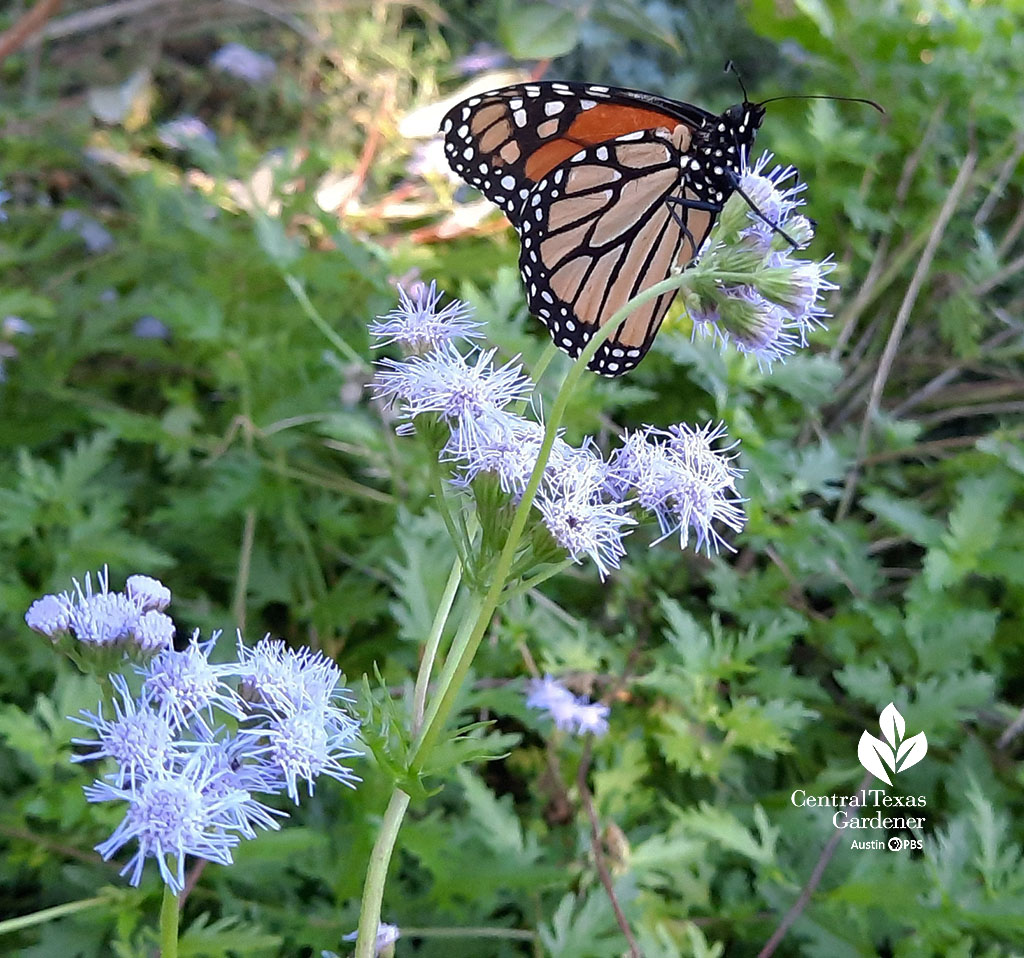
<point x="51" y="914"/>
<point x="478" y="616"/>
<point x="455" y="655"/>
<point x="527" y="584"/>
<point x="377" y="873"/>
<point x="419" y="696"/>
<point x="299" y="291"/>
<point x="169" y="924"/>
<point x="456" y="529"/>
<point x="550" y="351"/>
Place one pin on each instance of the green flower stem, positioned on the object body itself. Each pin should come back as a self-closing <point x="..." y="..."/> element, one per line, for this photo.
<point x="550" y="351"/>
<point x="455" y="655"/>
<point x="447" y="691"/>
<point x="527" y="584"/>
<point x="469" y="636"/>
<point x="51" y="914"/>
<point x="169" y="924"/>
<point x="419" y="696"/>
<point x="456" y="528"/>
<point x="377" y="873"/>
<point x="299" y="291"/>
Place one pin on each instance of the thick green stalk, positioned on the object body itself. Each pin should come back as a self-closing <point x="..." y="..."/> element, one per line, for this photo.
<point x="377" y="873"/>
<point x="467" y="640"/>
<point x="169" y="924"/>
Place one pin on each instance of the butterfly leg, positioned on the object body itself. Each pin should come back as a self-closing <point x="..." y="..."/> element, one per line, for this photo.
<point x="735" y="180"/>
<point x="674" y="202"/>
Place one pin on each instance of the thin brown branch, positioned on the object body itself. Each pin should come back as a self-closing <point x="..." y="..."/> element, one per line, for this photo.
<point x="595" y="845"/>
<point x="967" y="411"/>
<point x="812" y="883"/>
<point x="191" y="880"/>
<point x="899" y="325"/>
<point x="31" y="22"/>
<point x="999" y="186"/>
<point x="1010" y="270"/>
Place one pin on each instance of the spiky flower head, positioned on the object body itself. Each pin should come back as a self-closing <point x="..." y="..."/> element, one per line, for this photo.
<point x="683" y="481"/>
<point x="571" y="713"/>
<point x="418" y="325"/>
<point x="464" y="391"/>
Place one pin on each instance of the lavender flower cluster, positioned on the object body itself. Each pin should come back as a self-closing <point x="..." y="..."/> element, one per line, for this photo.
<point x="587" y="503"/>
<point x="133" y="619"/>
<point x="199" y="741"/>
<point x="572" y="713"/>
<point x="771" y="309"/>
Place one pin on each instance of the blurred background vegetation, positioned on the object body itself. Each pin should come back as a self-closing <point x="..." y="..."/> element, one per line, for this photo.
<point x="182" y="333"/>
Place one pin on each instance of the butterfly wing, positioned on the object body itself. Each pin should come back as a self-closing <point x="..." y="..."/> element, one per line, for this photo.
<point x="506" y="141"/>
<point x="599" y="229"/>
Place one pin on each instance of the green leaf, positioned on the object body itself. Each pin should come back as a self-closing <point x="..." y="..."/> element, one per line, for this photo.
<point x="537" y="31"/>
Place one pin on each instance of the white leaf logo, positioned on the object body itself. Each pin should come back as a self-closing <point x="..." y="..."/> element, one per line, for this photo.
<point x="892" y="724"/>
<point x="912" y="751"/>
<point x="871" y="751"/>
<point x="899" y="754"/>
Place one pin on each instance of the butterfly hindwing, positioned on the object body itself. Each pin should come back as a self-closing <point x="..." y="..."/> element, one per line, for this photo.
<point x="504" y="142"/>
<point x="602" y="227"/>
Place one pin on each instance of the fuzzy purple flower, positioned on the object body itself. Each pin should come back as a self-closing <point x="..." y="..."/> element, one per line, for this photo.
<point x="239" y="61"/>
<point x="184" y="685"/>
<point x="138" y="738"/>
<point x="176" y="811"/>
<point x="419" y="325"/>
<point x="686" y="484"/>
<point x="571" y="713"/>
<point x="465" y="391"/>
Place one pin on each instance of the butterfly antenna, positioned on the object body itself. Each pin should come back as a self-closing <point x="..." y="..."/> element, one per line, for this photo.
<point x="823" y="96"/>
<point x="775" y="228"/>
<point x="730" y="67"/>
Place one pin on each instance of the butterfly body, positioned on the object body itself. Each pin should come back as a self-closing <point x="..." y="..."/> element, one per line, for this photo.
<point x="609" y="189"/>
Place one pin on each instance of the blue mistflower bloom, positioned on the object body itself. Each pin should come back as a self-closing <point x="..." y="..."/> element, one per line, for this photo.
<point x="104" y="619"/>
<point x="507" y="446"/>
<point x="387" y="935"/>
<point x="239" y="61"/>
<point x="305" y="743"/>
<point x="466" y="391"/>
<point x="138" y="738"/>
<point x="184" y="809"/>
<point x="286" y="679"/>
<point x="571" y="713"/>
<point x="682" y="480"/>
<point x="50" y="615"/>
<point x="417" y="323"/>
<point x="300" y="731"/>
<point x="185" y="684"/>
<point x="579" y="518"/>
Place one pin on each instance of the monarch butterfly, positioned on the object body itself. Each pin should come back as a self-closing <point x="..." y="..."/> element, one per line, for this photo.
<point x="608" y="189"/>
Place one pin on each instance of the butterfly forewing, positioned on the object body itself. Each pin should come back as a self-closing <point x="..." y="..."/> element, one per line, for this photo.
<point x="504" y="142"/>
<point x="598" y="230"/>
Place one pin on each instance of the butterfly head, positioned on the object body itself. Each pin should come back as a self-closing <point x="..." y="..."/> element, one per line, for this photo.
<point x="742" y="122"/>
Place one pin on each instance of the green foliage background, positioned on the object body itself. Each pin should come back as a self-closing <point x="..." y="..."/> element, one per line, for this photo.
<point x="242" y="462"/>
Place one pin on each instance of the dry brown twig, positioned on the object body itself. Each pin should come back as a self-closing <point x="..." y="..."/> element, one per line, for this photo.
<point x="899" y="325"/>
<point x="812" y="883"/>
<point x="26" y="26"/>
